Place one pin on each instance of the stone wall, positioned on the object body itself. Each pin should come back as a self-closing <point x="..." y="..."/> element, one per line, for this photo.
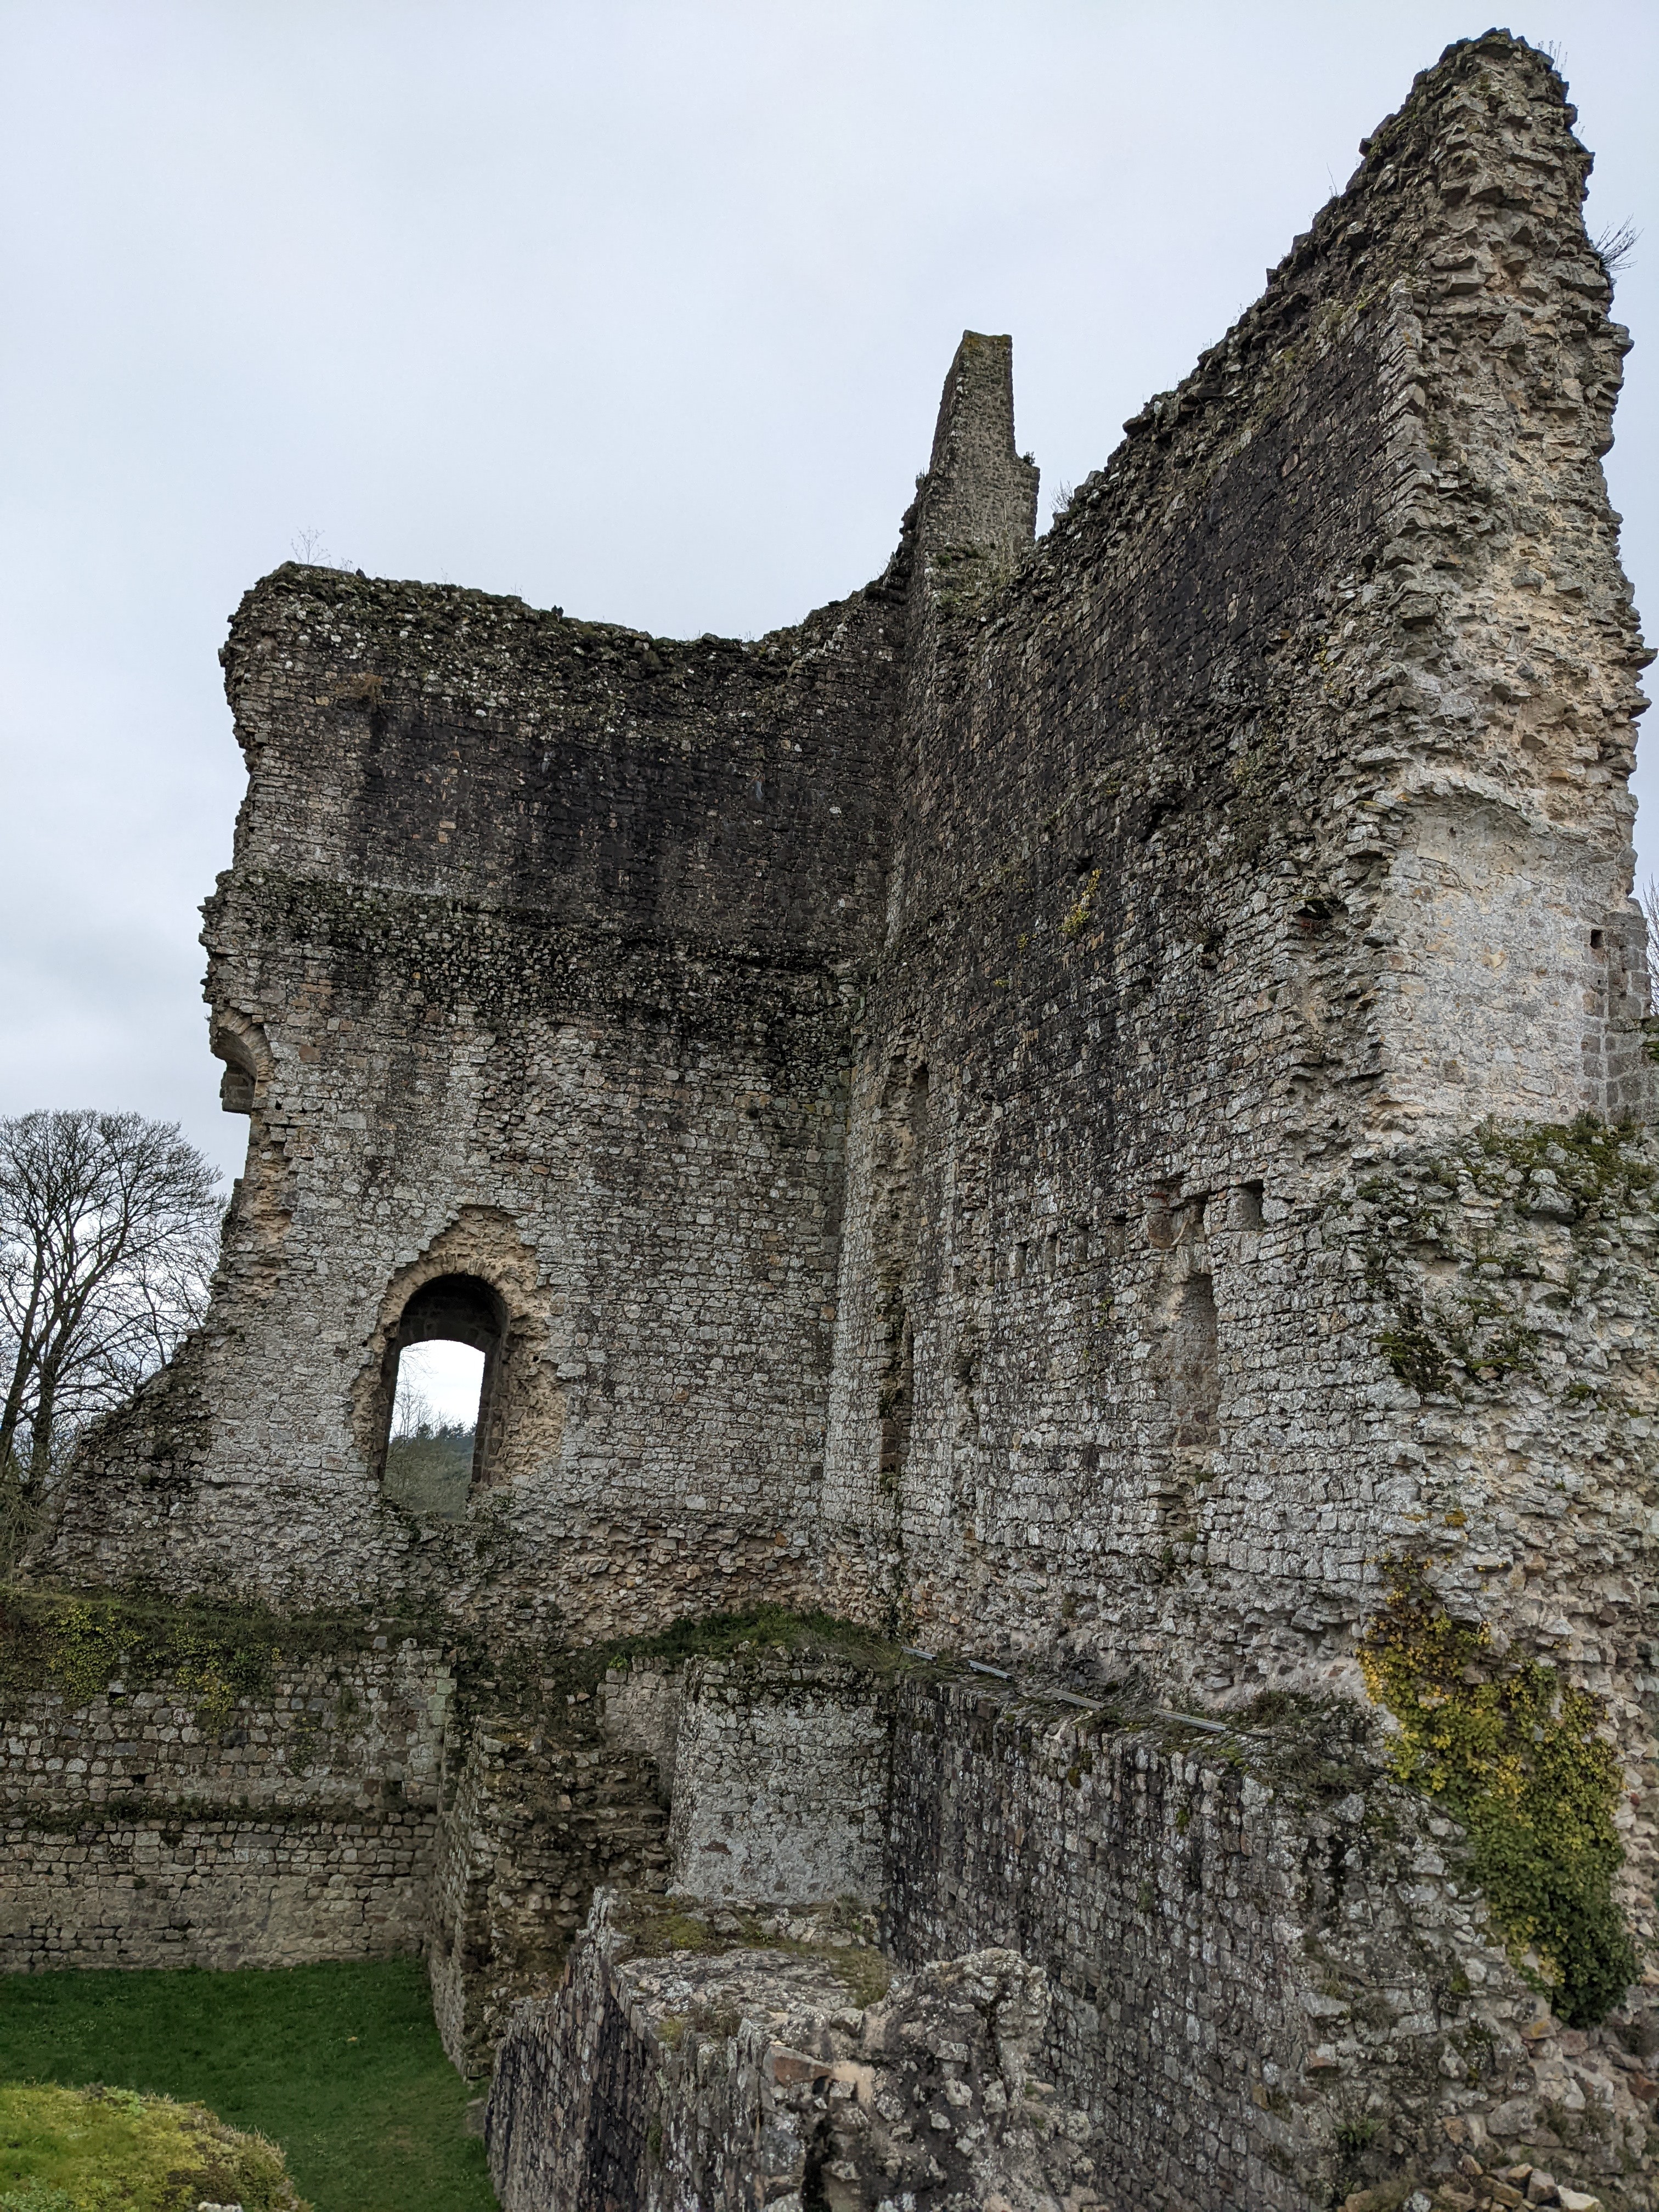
<point x="1272" y="1979"/>
<point x="1264" y="1972"/>
<point x="906" y="1083"/>
<point x="542" y="1806"/>
<point x="536" y="965"/>
<point x="762" y="1779"/>
<point x="780" y="1784"/>
<point x="743" y="2077"/>
<point x="1255" y="1970"/>
<point x="1086" y="1109"/>
<point x="1267" y="819"/>
<point x="155" y="1822"/>
<point x="170" y="1888"/>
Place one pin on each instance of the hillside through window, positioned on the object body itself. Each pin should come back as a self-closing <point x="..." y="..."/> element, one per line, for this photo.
<point x="443" y="1350"/>
<point x="434" y="1426"/>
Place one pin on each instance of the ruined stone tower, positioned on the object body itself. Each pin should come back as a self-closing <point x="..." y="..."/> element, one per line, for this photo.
<point x="1083" y="1112"/>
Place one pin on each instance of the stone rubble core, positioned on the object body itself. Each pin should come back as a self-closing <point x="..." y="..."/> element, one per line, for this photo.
<point x="1084" y="1113"/>
<point x="751" y="2078"/>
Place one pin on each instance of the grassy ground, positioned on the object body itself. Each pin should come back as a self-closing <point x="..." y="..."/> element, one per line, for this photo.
<point x="339" y="2064"/>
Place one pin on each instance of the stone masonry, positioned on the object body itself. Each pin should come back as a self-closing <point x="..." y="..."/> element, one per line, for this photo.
<point x="1080" y="1122"/>
<point x="143" y="1828"/>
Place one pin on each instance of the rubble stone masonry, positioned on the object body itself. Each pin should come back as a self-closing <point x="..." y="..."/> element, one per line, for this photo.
<point x="1085" y="1110"/>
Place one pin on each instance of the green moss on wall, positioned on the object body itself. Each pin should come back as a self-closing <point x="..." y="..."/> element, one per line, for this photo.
<point x="80" y="1642"/>
<point x="1587" y="1173"/>
<point x="1514" y="1754"/>
<point x="842" y="1940"/>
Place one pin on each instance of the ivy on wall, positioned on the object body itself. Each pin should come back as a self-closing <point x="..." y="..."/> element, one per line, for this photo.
<point x="1515" y="1755"/>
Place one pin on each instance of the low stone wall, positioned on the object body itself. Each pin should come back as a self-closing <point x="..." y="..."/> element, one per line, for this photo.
<point x="776" y="1765"/>
<point x="352" y="1730"/>
<point x="1273" y="1979"/>
<point x="1268" y="1976"/>
<point x="226" y="1808"/>
<point x="759" y="2070"/>
<point x="171" y="1890"/>
<point x="1263" y="1974"/>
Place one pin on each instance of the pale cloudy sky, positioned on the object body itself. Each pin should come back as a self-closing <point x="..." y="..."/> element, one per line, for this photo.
<point x="641" y="307"/>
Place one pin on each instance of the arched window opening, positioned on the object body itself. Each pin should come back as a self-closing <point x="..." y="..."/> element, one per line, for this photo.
<point x="440" y="1369"/>
<point x="247" y="1062"/>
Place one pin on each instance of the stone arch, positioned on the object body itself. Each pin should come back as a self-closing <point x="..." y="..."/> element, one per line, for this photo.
<point x="455" y="1310"/>
<point x="241" y="1043"/>
<point x="260" y="1214"/>
<point x="476" y="1283"/>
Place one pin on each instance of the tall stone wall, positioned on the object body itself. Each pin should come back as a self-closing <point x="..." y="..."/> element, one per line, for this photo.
<point x="1269" y="818"/>
<point x="535" y="966"/>
<point x="1088" y="1109"/>
<point x="906" y="1085"/>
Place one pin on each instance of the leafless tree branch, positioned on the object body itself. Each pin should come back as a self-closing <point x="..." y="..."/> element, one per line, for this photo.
<point x="109" y="1229"/>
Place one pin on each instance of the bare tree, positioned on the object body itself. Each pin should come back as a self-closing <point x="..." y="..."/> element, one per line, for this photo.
<point x="109" y="1228"/>
<point x="1648" y="899"/>
<point x="411" y="1409"/>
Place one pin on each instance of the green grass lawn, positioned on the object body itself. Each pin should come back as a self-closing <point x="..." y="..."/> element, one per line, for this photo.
<point x="339" y="2064"/>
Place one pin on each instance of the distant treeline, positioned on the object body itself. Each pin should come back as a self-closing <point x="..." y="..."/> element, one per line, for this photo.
<point x="430" y="1469"/>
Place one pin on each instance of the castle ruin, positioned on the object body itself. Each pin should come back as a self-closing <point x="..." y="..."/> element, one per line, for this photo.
<point x="1051" y="1169"/>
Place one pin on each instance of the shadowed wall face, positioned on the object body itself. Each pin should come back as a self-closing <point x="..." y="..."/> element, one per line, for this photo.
<point x="1266" y="823"/>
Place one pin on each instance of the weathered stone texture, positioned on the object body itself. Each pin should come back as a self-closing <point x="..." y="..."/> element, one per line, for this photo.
<point x="535" y="963"/>
<point x="1269" y="1968"/>
<point x="140" y="1829"/>
<point x="1059" y="1112"/>
<point x="780" y="1797"/>
<point x="752" y="2077"/>
<point x="542" y="1807"/>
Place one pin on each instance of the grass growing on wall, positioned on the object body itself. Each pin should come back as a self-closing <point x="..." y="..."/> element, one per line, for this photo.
<point x="78" y="1642"/>
<point x="340" y="2065"/>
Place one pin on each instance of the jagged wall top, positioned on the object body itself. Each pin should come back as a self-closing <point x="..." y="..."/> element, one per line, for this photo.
<point x="979" y="491"/>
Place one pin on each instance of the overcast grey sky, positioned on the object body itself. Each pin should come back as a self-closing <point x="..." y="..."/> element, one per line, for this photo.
<point x="638" y="308"/>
